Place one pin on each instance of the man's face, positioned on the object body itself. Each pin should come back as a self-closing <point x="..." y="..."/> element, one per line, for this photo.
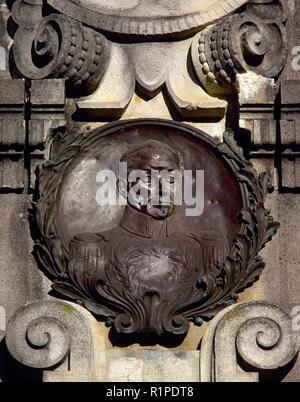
<point x="153" y="184"/>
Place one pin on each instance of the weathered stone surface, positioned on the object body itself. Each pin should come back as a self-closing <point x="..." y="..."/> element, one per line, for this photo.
<point x="2" y="323"/>
<point x="289" y="134"/>
<point x="154" y="18"/>
<point x="15" y="248"/>
<point x="46" y="95"/>
<point x="12" y="113"/>
<point x="240" y="43"/>
<point x="58" y="47"/>
<point x="257" y="334"/>
<point x="12" y="173"/>
<point x="45" y="334"/>
<point x="5" y="41"/>
<point x="64" y="339"/>
<point x="154" y="67"/>
<point x="116" y="89"/>
<point x="256" y="98"/>
<point x="152" y="366"/>
<point x="136" y="69"/>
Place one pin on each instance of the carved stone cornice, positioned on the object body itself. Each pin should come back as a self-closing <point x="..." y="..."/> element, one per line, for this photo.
<point x="256" y="334"/>
<point x="144" y="18"/>
<point x="69" y="45"/>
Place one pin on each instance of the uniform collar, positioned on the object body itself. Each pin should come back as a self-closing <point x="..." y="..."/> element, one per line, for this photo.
<point x="144" y="225"/>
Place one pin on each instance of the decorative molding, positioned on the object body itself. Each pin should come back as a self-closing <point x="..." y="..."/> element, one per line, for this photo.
<point x="257" y="117"/>
<point x="12" y="135"/>
<point x="154" y="67"/>
<point x="56" y="46"/>
<point x="12" y="113"/>
<point x="289" y="135"/>
<point x="257" y="334"/>
<point x="47" y="109"/>
<point x="255" y="40"/>
<point x="289" y="118"/>
<point x="210" y="293"/>
<point x="68" y="45"/>
<point x="28" y="113"/>
<point x="51" y="335"/>
<point x="290" y="170"/>
<point x="153" y="19"/>
<point x="46" y="101"/>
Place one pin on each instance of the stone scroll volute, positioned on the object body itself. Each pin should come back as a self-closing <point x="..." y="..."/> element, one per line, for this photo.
<point x="247" y="340"/>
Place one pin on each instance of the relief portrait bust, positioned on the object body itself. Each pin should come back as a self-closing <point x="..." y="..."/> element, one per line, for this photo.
<point x="147" y="260"/>
<point x="146" y="266"/>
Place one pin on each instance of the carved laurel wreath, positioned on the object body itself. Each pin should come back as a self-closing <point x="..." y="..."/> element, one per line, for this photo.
<point x="241" y="267"/>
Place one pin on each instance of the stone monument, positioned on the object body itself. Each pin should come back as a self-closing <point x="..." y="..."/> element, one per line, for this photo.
<point x="149" y="190"/>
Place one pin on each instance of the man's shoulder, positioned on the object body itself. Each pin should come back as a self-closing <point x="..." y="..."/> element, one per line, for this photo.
<point x="105" y="236"/>
<point x="198" y="235"/>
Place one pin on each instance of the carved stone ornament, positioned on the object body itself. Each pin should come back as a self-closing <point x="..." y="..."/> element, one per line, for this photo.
<point x="255" y="40"/>
<point x="143" y="17"/>
<point x="150" y="270"/>
<point x="54" y="335"/>
<point x="57" y="46"/>
<point x="245" y="341"/>
<point x="92" y="43"/>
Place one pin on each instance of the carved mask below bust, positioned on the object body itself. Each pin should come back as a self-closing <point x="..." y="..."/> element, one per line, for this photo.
<point x="151" y="269"/>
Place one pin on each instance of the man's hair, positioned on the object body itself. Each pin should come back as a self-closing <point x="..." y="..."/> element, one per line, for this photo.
<point x="151" y="146"/>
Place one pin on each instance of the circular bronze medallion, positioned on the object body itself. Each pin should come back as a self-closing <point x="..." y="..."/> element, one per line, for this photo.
<point x="150" y="224"/>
